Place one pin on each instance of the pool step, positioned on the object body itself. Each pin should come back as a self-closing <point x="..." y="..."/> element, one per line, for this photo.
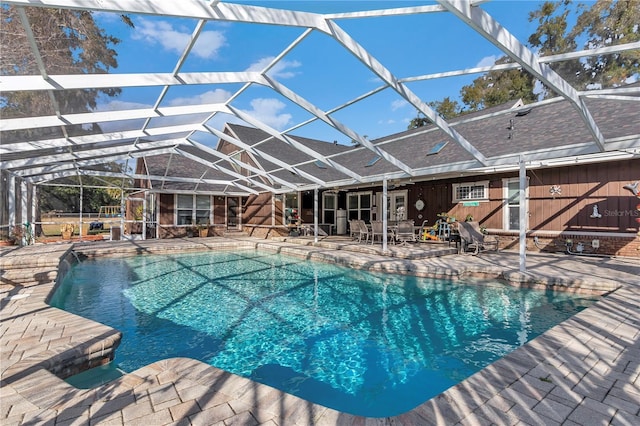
<point x="234" y="234"/>
<point x="31" y="265"/>
<point x="26" y="277"/>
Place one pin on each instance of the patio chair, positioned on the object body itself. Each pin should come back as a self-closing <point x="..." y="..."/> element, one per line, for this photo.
<point x="377" y="229"/>
<point x="473" y="239"/>
<point x="363" y="231"/>
<point x="354" y="229"/>
<point x="444" y="229"/>
<point x="405" y="232"/>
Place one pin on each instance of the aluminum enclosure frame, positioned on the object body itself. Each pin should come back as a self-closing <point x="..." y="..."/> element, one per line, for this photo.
<point x="32" y="165"/>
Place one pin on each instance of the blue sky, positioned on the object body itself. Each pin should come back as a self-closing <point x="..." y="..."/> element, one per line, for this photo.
<point x="319" y="69"/>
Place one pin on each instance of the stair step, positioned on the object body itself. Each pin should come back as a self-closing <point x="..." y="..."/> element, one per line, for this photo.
<point x="26" y="277"/>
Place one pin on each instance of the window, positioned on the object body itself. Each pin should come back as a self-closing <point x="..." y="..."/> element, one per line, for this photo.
<point x="193" y="209"/>
<point x="329" y="204"/>
<point x="374" y="161"/>
<point x="359" y="206"/>
<point x="437" y="148"/>
<point x="472" y="191"/>
<point x="511" y="195"/>
<point x="238" y="157"/>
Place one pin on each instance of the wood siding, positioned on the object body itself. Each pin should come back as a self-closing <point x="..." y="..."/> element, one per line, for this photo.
<point x="166" y="209"/>
<point x="219" y="211"/>
<point x="258" y="210"/>
<point x="582" y="186"/>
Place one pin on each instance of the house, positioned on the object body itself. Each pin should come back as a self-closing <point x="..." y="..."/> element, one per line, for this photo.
<point x="576" y="195"/>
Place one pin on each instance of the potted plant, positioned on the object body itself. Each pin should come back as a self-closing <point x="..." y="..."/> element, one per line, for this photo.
<point x="66" y="229"/>
<point x="7" y="240"/>
<point x="203" y="230"/>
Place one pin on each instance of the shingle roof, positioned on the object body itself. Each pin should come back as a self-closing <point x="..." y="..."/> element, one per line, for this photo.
<point x="497" y="132"/>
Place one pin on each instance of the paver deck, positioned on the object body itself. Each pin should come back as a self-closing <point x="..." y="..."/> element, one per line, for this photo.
<point x="583" y="371"/>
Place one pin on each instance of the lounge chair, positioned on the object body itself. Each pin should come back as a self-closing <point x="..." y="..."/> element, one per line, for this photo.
<point x="472" y="238"/>
<point x="405" y="232"/>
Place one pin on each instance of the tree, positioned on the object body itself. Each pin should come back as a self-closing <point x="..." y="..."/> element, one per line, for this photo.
<point x="609" y="23"/>
<point x="69" y="42"/>
<point x="67" y="198"/>
<point x="605" y="23"/>
<point x="551" y="38"/>
<point x="446" y="108"/>
<point x="419" y="121"/>
<point x="498" y="87"/>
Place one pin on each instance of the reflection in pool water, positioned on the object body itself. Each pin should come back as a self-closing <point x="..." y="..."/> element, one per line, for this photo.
<point x="368" y="344"/>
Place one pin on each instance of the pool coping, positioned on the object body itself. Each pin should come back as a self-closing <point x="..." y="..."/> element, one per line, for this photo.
<point x="585" y="368"/>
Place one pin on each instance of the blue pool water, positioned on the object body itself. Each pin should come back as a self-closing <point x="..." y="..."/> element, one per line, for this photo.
<point x="368" y="344"/>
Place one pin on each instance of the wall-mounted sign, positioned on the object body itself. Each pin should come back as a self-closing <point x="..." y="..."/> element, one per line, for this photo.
<point x="471" y="203"/>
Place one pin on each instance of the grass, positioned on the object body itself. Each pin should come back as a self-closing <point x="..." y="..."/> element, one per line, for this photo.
<point x="51" y="226"/>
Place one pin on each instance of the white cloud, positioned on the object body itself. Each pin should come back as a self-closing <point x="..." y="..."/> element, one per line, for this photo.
<point x="175" y="40"/>
<point x="116" y="105"/>
<point x="279" y="70"/>
<point x="210" y="97"/>
<point x="268" y="111"/>
<point x="107" y="16"/>
<point x="398" y="103"/>
<point x="487" y="61"/>
<point x="208" y="44"/>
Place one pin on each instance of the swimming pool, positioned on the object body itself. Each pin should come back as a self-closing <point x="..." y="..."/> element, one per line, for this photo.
<point x="369" y="344"/>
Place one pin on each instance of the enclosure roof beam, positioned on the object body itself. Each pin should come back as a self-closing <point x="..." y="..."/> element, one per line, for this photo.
<point x="38" y="170"/>
<point x="232" y="173"/>
<point x="20" y="83"/>
<point x="147" y="147"/>
<point x="108" y="116"/>
<point x="196" y="9"/>
<point x="490" y="29"/>
<point x="295" y="144"/>
<point x="68" y="173"/>
<point x="383" y="73"/>
<point x="265" y="156"/>
<point x="299" y="100"/>
<point x="74" y="141"/>
<point x="255" y="170"/>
